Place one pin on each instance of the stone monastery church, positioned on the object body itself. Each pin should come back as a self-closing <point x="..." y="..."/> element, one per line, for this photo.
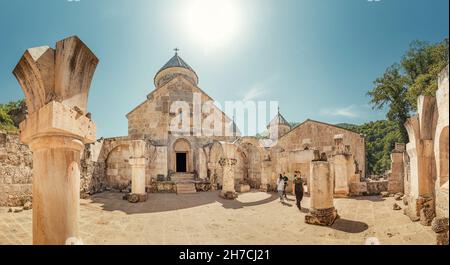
<point x="178" y="141"/>
<point x="192" y="162"/>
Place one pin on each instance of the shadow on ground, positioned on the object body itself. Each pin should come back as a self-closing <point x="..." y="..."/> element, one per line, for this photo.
<point x="375" y="198"/>
<point x="163" y="202"/>
<point x="349" y="226"/>
<point x="236" y="204"/>
<point x="304" y="210"/>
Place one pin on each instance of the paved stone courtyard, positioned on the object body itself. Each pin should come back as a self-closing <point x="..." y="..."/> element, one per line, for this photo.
<point x="204" y="218"/>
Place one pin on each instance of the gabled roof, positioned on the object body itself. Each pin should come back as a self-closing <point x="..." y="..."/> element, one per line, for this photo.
<point x="323" y="123"/>
<point x="195" y="87"/>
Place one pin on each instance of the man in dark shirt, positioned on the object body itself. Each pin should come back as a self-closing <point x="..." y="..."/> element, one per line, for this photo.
<point x="285" y="179"/>
<point x="298" y="188"/>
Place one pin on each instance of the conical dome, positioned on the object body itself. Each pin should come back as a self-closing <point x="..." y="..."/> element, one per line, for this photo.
<point x="278" y="127"/>
<point x="278" y="120"/>
<point x="174" y="67"/>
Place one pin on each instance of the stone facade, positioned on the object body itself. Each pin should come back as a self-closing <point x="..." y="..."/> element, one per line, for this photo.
<point x="106" y="163"/>
<point x="256" y="165"/>
<point x="320" y="136"/>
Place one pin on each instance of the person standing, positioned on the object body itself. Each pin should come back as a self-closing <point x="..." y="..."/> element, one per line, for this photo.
<point x="280" y="187"/>
<point x="298" y="188"/>
<point x="286" y="180"/>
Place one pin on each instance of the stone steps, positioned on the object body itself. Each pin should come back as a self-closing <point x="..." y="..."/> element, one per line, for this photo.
<point x="182" y="177"/>
<point x="186" y="188"/>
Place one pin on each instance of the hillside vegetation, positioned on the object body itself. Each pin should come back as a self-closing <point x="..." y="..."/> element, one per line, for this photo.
<point x="11" y="114"/>
<point x="380" y="138"/>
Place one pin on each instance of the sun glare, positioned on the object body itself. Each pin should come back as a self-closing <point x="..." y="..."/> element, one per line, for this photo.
<point x="212" y="23"/>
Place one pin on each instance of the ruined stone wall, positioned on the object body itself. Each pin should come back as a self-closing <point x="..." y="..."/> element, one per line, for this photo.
<point x="441" y="145"/>
<point x="93" y="169"/>
<point x="15" y="171"/>
<point x="321" y="136"/>
<point x="376" y="187"/>
<point x="426" y="178"/>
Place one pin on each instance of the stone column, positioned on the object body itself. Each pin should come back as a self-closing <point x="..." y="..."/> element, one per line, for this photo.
<point x="396" y="176"/>
<point x="228" y="191"/>
<point x="266" y="170"/>
<point x="342" y="167"/>
<point x="56" y="84"/>
<point x="420" y="151"/>
<point x="137" y="163"/>
<point x="322" y="211"/>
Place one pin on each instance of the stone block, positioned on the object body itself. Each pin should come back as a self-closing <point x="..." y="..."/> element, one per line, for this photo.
<point x="323" y="217"/>
<point x="243" y="188"/>
<point x="358" y="188"/>
<point x="55" y="119"/>
<point x="228" y="195"/>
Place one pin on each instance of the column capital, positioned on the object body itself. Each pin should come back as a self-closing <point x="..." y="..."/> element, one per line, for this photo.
<point x="137" y="148"/>
<point x="57" y="119"/>
<point x="227" y="162"/>
<point x="137" y="161"/>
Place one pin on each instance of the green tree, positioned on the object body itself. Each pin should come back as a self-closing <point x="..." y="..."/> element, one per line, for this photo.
<point x="8" y="114"/>
<point x="422" y="64"/>
<point x="391" y="91"/>
<point x="402" y="83"/>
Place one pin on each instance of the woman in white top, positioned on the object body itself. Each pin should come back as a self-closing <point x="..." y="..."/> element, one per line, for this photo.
<point x="280" y="187"/>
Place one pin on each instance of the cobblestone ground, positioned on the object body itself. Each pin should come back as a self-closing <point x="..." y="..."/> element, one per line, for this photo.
<point x="204" y="218"/>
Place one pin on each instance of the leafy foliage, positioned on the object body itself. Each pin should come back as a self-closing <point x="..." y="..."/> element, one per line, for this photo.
<point x="380" y="139"/>
<point x="7" y="112"/>
<point x="422" y="64"/>
<point x="402" y="83"/>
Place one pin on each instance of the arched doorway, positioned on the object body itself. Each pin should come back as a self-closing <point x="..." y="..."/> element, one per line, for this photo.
<point x="181" y="156"/>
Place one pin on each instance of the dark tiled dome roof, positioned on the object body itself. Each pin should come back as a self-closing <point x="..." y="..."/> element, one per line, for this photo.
<point x="176" y="61"/>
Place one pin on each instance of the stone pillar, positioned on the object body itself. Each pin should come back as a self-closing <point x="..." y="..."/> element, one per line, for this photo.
<point x="396" y="177"/>
<point x="56" y="84"/>
<point x="322" y="211"/>
<point x="266" y="170"/>
<point x="228" y="191"/>
<point x="420" y="152"/>
<point x="137" y="163"/>
<point x="342" y="167"/>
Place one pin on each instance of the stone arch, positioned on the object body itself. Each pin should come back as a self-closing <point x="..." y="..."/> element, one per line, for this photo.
<point x="118" y="170"/>
<point x="182" y="156"/>
<point x="108" y="145"/>
<point x="254" y="165"/>
<point x="214" y="168"/>
<point x="241" y="169"/>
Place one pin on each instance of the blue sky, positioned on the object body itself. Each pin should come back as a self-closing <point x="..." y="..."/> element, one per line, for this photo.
<point x="318" y="58"/>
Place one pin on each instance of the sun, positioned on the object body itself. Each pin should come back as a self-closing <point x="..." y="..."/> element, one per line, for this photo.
<point x="212" y="23"/>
